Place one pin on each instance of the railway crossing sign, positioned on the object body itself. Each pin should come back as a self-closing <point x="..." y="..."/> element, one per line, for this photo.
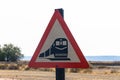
<point x="58" y="47"/>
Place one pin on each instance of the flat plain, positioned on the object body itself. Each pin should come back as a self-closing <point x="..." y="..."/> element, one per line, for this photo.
<point x="98" y="71"/>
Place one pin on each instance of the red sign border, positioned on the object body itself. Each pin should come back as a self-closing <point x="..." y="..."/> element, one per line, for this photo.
<point x="82" y="64"/>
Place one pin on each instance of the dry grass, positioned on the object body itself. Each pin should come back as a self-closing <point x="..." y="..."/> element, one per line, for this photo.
<point x="42" y="75"/>
<point x="14" y="65"/>
<point x="23" y="65"/>
<point x="97" y="71"/>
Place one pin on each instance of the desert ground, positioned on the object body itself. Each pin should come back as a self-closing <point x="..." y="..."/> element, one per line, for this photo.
<point x="97" y="71"/>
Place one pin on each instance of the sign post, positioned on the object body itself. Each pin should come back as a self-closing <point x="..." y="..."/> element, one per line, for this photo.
<point x="58" y="48"/>
<point x="60" y="72"/>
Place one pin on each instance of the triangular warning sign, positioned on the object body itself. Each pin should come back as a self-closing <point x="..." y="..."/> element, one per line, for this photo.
<point x="58" y="47"/>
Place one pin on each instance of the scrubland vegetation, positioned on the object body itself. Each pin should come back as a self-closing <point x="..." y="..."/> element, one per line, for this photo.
<point x="97" y="71"/>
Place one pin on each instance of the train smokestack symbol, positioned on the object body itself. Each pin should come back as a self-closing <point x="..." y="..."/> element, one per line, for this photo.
<point x="59" y="49"/>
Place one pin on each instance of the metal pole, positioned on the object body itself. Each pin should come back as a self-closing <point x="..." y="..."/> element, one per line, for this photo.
<point x="60" y="72"/>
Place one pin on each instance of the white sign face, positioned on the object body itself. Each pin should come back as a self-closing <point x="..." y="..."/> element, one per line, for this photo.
<point x="57" y="47"/>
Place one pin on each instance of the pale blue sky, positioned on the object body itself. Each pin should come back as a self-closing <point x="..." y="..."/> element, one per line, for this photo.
<point x="95" y="24"/>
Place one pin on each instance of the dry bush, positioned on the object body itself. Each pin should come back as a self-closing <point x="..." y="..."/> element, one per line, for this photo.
<point x="46" y="69"/>
<point x="87" y="71"/>
<point x="2" y="66"/>
<point x="13" y="67"/>
<point x="78" y="70"/>
<point x="113" y="71"/>
<point x="75" y="70"/>
<point x="23" y="65"/>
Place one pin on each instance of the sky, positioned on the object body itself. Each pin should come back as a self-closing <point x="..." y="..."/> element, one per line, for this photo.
<point x="95" y="24"/>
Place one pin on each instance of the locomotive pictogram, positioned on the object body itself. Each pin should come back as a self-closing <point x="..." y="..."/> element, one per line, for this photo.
<point x="59" y="49"/>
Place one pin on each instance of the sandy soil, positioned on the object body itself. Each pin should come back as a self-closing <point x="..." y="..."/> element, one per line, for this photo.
<point x="96" y="74"/>
<point x="6" y="79"/>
